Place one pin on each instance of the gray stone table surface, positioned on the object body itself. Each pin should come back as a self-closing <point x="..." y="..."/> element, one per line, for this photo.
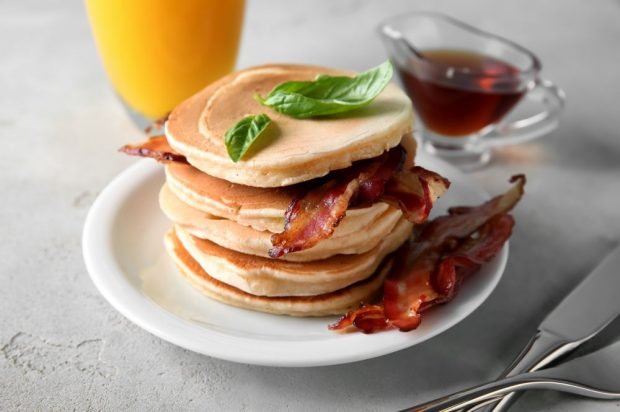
<point x="63" y="347"/>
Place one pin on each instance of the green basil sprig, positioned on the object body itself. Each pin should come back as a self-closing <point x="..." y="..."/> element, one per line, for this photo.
<point x="327" y="95"/>
<point x="242" y="135"/>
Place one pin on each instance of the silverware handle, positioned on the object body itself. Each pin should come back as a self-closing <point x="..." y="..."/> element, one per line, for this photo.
<point x="542" y="349"/>
<point x="478" y="394"/>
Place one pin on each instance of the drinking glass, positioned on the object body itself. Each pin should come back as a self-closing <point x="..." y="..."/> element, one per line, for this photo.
<point x="463" y="83"/>
<point x="159" y="52"/>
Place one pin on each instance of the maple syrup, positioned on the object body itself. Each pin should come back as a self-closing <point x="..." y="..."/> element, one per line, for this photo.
<point x="480" y="94"/>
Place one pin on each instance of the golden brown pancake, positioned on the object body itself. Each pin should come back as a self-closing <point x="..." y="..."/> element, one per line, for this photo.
<point x="293" y="150"/>
<point x="229" y="234"/>
<point x="274" y="277"/>
<point x="334" y="303"/>
<point x="260" y="208"/>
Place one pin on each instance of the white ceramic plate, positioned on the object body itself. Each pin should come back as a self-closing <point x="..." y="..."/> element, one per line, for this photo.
<point x="124" y="253"/>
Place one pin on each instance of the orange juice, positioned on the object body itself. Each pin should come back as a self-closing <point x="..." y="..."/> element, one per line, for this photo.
<point x="159" y="52"/>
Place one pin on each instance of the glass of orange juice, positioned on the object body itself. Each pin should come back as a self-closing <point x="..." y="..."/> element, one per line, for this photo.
<point x="159" y="52"/>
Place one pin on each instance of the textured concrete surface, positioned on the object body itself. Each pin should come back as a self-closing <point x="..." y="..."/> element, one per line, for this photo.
<point x="62" y="347"/>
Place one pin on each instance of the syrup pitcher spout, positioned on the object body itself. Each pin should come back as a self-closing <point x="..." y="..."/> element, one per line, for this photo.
<point x="397" y="45"/>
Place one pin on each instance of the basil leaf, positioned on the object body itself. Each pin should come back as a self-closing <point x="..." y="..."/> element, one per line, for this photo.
<point x="241" y="136"/>
<point x="328" y="95"/>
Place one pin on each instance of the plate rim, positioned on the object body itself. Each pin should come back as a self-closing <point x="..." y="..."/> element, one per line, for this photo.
<point x="105" y="272"/>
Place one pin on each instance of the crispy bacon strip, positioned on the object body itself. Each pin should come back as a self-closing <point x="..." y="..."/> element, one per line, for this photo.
<point x="470" y="255"/>
<point x="428" y="271"/>
<point x="157" y="124"/>
<point x="463" y="221"/>
<point x="315" y="215"/>
<point x="408" y="288"/>
<point x="156" y="148"/>
<point x="367" y="318"/>
<point x="437" y="274"/>
<point x="414" y="191"/>
<point x="374" y="174"/>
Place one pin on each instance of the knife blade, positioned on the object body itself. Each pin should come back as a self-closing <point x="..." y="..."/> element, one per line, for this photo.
<point x="591" y="305"/>
<point x="584" y="312"/>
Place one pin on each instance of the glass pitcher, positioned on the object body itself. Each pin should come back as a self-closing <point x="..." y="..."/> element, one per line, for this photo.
<point x="464" y="82"/>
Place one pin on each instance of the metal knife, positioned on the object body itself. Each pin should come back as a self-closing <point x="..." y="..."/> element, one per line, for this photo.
<point x="591" y="306"/>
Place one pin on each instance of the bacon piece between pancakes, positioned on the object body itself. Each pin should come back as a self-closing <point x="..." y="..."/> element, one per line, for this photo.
<point x="157" y="124"/>
<point x="157" y="148"/>
<point x="413" y="192"/>
<point x="315" y="215"/>
<point x="429" y="270"/>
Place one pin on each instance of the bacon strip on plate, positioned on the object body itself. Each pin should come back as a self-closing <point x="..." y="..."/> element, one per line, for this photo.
<point x="156" y="148"/>
<point x="429" y="270"/>
<point x="366" y="318"/>
<point x="315" y="215"/>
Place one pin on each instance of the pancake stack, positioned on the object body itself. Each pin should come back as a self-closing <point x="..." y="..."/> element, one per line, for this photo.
<point x="224" y="214"/>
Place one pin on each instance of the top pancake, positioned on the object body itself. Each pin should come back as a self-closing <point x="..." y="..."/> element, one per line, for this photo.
<point x="293" y="150"/>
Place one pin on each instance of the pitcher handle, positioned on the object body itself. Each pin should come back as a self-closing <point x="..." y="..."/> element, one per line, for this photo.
<point x="551" y="97"/>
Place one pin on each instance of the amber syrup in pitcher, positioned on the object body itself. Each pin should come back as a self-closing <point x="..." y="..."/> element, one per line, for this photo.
<point x="467" y="103"/>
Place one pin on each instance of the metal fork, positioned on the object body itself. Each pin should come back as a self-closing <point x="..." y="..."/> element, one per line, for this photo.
<point x="596" y="375"/>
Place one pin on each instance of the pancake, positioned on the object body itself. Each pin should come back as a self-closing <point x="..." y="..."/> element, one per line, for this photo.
<point x="259" y="208"/>
<point x="244" y="239"/>
<point x="334" y="303"/>
<point x="275" y="277"/>
<point x="293" y="150"/>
